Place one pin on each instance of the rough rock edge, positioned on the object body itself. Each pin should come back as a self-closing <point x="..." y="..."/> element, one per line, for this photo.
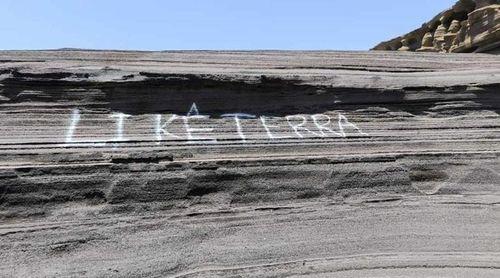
<point x="477" y="30"/>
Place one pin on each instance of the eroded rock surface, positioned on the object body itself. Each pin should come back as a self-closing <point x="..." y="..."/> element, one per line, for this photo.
<point x="256" y="164"/>
<point x="469" y="26"/>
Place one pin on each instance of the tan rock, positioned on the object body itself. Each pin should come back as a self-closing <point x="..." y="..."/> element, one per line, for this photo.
<point x="439" y="39"/>
<point x="454" y="27"/>
<point x="469" y="26"/>
<point x="460" y="36"/>
<point x="427" y="43"/>
<point x="405" y="46"/>
<point x="449" y="37"/>
<point x="482" y="32"/>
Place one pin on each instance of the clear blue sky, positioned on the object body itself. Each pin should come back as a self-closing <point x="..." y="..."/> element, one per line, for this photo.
<point x="209" y="24"/>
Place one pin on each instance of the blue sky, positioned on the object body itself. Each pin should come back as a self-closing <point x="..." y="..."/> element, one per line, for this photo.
<point x="209" y="24"/>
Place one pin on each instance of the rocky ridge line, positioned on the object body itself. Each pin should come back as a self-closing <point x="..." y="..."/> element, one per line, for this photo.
<point x="469" y="26"/>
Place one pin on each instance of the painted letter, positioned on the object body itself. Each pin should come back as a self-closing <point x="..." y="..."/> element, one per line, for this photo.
<point x="190" y="130"/>
<point x="343" y="122"/>
<point x="75" y="118"/>
<point x="237" y="117"/>
<point x="323" y="127"/>
<point x="160" y="129"/>
<point x="193" y="111"/>
<point x="119" y="126"/>
<point x="268" y="130"/>
<point x="296" y="127"/>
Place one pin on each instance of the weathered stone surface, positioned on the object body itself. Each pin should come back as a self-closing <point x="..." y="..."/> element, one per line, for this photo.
<point x="99" y="179"/>
<point x="469" y="26"/>
<point x="427" y="43"/>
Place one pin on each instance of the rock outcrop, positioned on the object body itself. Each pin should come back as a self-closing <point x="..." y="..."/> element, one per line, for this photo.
<point x="469" y="26"/>
<point x="249" y="164"/>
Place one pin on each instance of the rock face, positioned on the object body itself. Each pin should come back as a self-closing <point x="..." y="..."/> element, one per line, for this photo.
<point x="253" y="164"/>
<point x="469" y="26"/>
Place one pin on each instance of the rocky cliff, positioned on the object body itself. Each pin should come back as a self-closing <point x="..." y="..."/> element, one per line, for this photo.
<point x="469" y="26"/>
<point x="249" y="164"/>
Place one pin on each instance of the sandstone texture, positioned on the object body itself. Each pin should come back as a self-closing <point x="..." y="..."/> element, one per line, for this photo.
<point x="469" y="26"/>
<point x="249" y="164"/>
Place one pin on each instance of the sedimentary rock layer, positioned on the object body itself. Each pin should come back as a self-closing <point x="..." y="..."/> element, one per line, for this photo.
<point x="469" y="26"/>
<point x="196" y="164"/>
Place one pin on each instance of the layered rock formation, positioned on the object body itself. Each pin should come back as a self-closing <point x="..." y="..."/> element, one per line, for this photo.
<point x="469" y="26"/>
<point x="255" y="164"/>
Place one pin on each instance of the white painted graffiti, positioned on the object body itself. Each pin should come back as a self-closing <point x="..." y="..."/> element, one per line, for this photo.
<point x="297" y="127"/>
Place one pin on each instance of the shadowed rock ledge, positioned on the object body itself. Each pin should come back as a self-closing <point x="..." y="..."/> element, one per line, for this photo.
<point x="264" y="164"/>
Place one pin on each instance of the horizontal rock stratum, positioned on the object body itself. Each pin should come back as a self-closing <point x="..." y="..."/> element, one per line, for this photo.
<point x="253" y="164"/>
<point x="469" y="26"/>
